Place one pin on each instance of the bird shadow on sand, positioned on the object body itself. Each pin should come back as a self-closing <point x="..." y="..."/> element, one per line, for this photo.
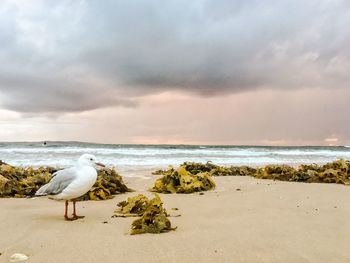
<point x="52" y="218"/>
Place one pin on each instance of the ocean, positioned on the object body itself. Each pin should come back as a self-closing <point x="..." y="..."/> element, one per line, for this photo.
<point x="131" y="158"/>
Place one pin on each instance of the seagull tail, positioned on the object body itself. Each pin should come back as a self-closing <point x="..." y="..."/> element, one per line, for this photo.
<point x="42" y="191"/>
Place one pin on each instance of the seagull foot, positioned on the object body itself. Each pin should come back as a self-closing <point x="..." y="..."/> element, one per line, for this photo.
<point x="70" y="218"/>
<point x="77" y="217"/>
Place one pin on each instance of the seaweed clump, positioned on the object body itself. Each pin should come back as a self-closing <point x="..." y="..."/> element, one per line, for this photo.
<point x="153" y="217"/>
<point x="275" y="172"/>
<point x="242" y="170"/>
<point x="334" y="172"/>
<point x="24" y="182"/>
<point x="212" y="169"/>
<point x="108" y="183"/>
<point x="134" y="206"/>
<point x="183" y="181"/>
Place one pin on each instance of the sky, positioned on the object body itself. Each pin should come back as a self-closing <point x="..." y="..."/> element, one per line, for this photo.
<point x="237" y="72"/>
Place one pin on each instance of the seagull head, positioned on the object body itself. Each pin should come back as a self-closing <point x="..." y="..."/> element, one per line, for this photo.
<point x="90" y="160"/>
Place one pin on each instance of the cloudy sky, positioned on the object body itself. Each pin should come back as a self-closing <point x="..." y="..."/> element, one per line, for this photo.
<point x="196" y="72"/>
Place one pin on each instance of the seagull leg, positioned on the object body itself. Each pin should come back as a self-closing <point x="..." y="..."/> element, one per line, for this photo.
<point x="75" y="216"/>
<point x="66" y="212"/>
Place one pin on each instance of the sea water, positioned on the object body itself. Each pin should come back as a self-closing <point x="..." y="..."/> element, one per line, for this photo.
<point x="138" y="157"/>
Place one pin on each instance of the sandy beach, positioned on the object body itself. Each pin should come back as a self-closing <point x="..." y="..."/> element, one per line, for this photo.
<point x="243" y="220"/>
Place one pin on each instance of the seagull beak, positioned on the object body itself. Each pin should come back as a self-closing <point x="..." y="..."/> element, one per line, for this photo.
<point x="100" y="164"/>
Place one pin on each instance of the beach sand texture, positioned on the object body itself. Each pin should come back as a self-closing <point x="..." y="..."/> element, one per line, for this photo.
<point x="264" y="221"/>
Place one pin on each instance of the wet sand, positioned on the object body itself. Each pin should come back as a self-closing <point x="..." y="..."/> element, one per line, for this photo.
<point x="243" y="220"/>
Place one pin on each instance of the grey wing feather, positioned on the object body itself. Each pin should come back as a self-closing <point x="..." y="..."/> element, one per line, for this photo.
<point x="61" y="179"/>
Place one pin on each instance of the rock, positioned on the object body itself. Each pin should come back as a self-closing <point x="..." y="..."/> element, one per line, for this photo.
<point x="18" y="257"/>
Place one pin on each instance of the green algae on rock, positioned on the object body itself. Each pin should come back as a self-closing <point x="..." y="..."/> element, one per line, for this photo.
<point x="183" y="181"/>
<point x="24" y="182"/>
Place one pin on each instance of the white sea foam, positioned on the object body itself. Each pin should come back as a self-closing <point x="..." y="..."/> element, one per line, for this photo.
<point x="129" y="157"/>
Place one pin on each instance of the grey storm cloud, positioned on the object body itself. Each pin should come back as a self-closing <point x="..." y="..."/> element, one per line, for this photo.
<point x="63" y="56"/>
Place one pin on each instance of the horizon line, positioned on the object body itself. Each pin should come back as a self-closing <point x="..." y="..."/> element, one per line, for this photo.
<point x="170" y="144"/>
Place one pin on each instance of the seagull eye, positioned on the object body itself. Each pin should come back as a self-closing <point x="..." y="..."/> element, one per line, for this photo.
<point x="90" y="159"/>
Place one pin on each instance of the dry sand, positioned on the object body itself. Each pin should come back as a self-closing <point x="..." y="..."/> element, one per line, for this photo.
<point x="264" y="221"/>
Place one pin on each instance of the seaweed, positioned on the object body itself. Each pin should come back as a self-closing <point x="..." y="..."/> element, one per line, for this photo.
<point x="108" y="183"/>
<point x="212" y="169"/>
<point x="24" y="182"/>
<point x="276" y="172"/>
<point x="183" y="181"/>
<point x="153" y="217"/>
<point x="242" y="170"/>
<point x="196" y="168"/>
<point x="153" y="220"/>
<point x="134" y="206"/>
<point x="334" y="172"/>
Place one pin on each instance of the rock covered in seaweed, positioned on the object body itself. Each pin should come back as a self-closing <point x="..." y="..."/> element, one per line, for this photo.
<point x="24" y="182"/>
<point x="183" y="181"/>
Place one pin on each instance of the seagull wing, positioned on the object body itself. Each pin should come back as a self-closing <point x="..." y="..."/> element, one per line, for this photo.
<point x="61" y="179"/>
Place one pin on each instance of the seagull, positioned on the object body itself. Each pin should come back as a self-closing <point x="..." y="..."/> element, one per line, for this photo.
<point x="71" y="183"/>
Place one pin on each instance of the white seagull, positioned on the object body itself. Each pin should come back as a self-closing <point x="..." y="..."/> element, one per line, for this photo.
<point x="71" y="183"/>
